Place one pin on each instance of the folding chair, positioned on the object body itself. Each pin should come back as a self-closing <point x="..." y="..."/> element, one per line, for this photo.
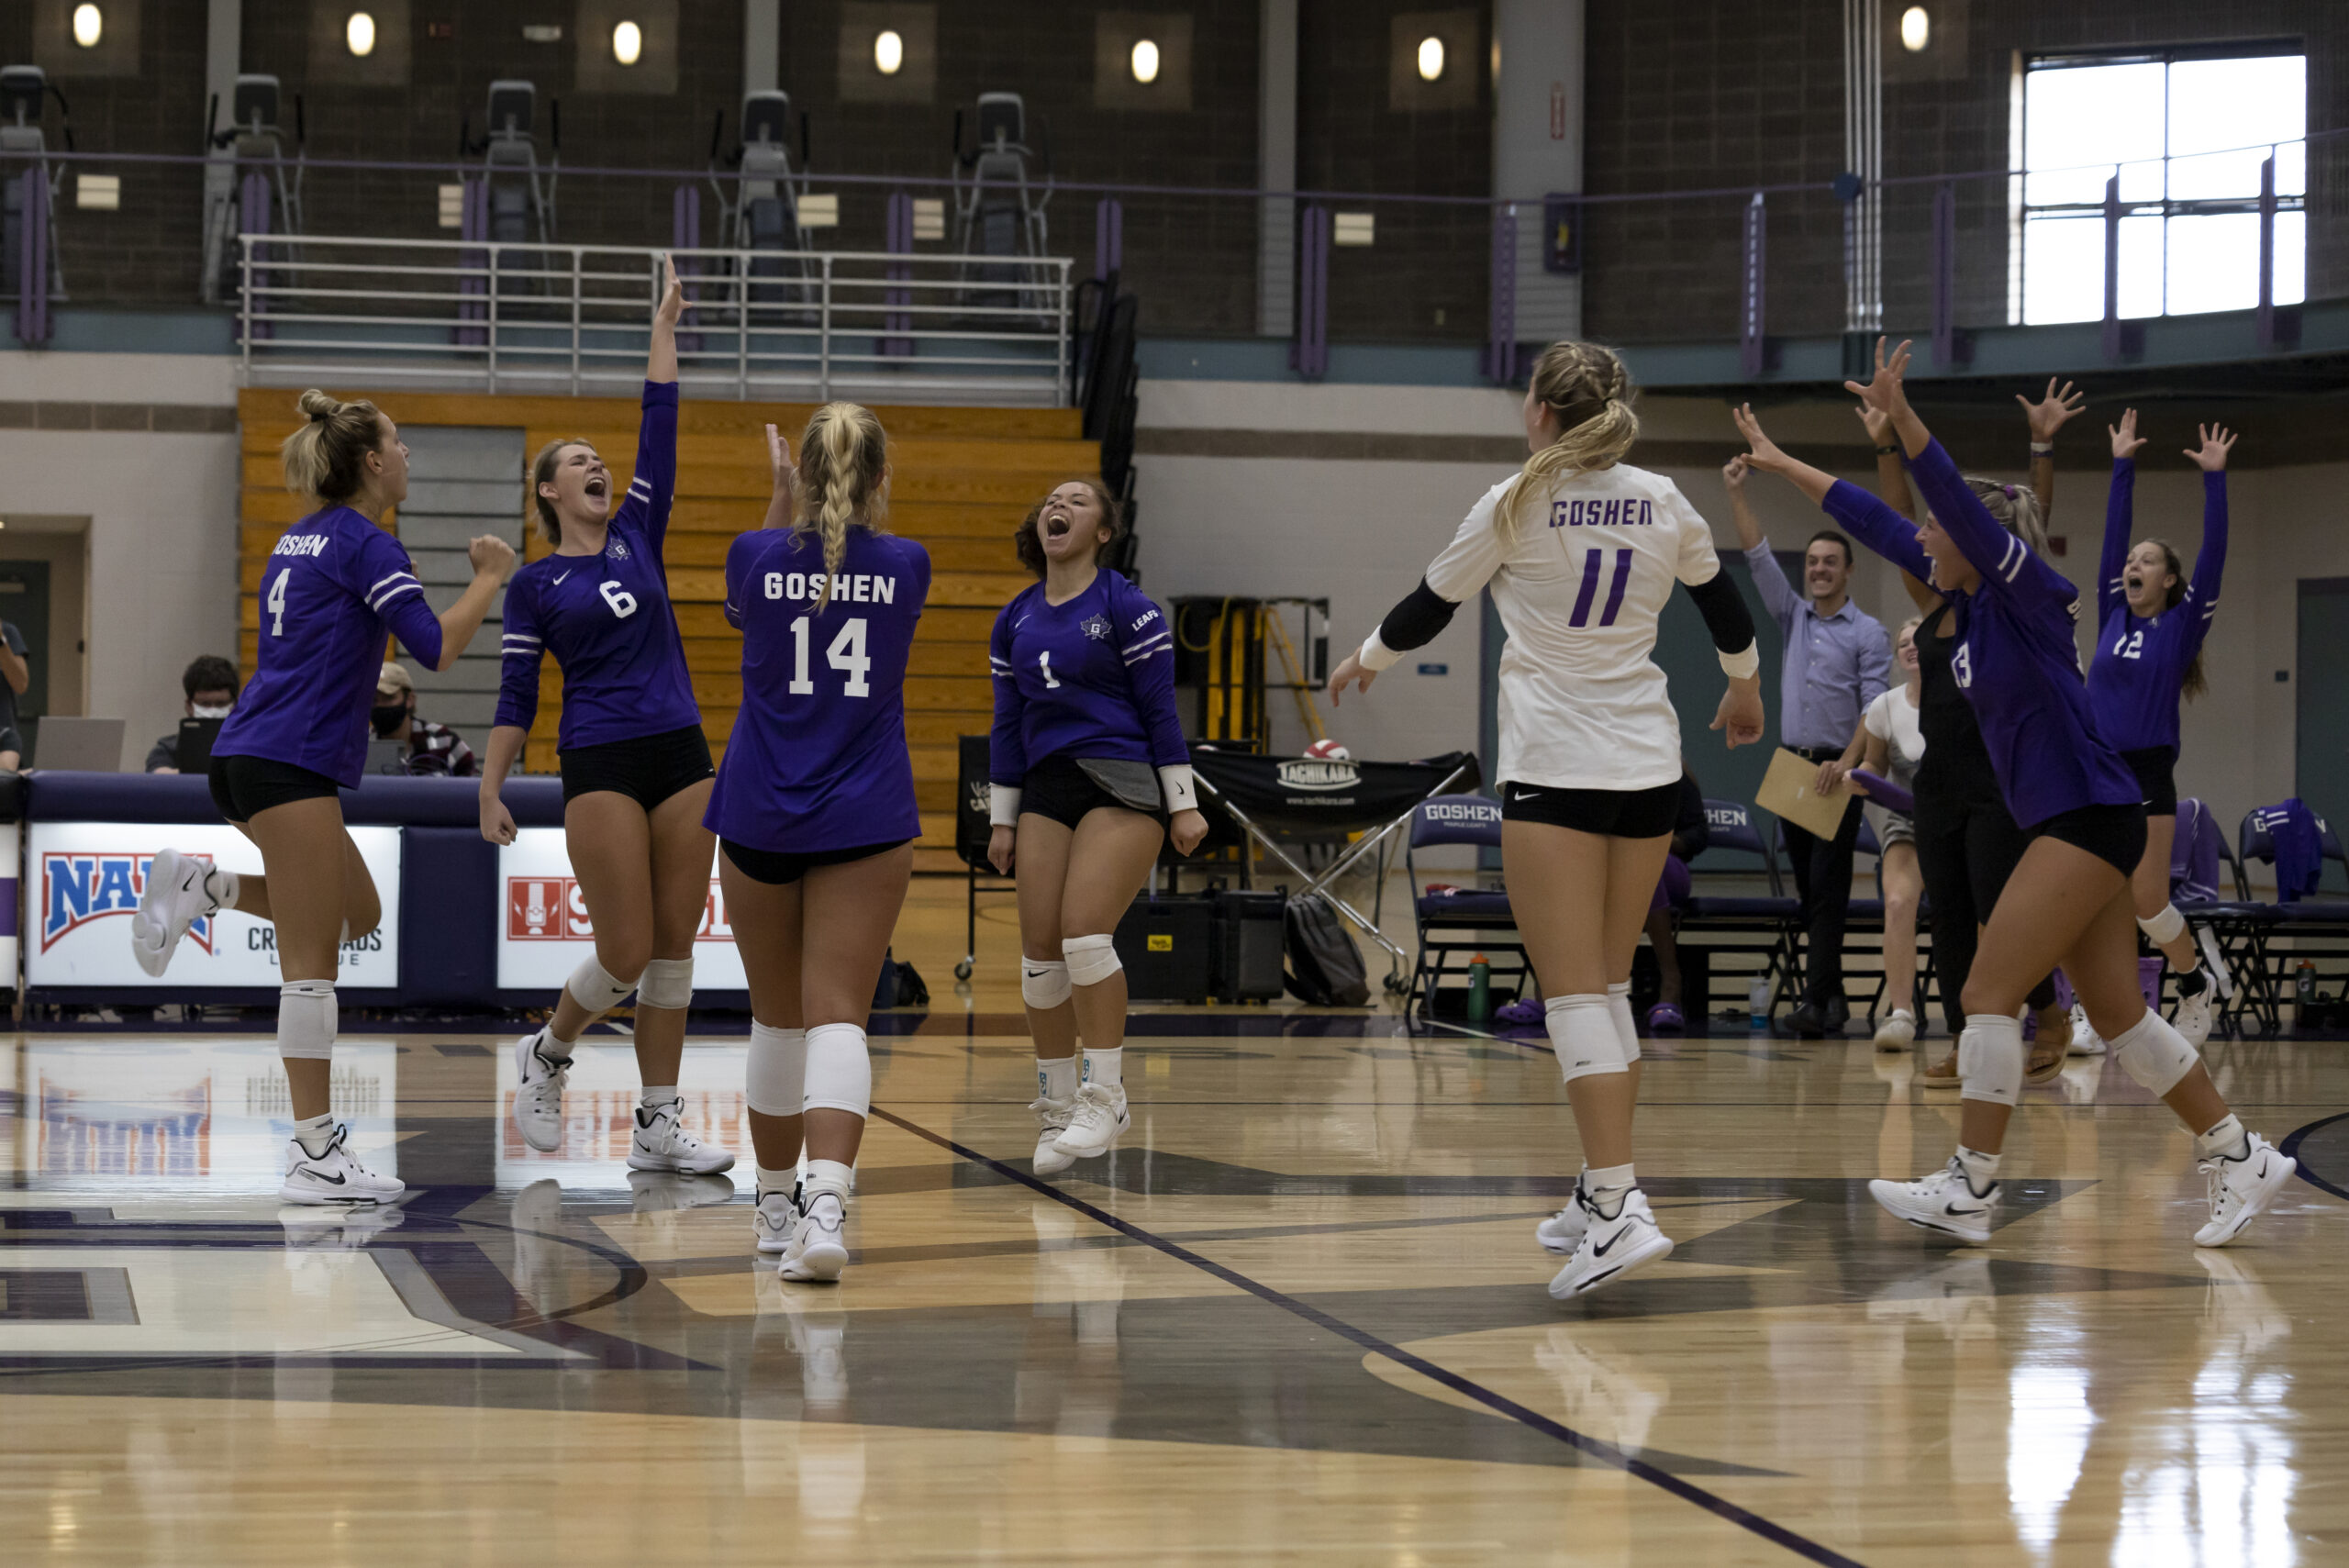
<point x="1466" y="922"/>
<point x="2231" y="932"/>
<point x="1763" y="923"/>
<point x="2317" y="927"/>
<point x="973" y="829"/>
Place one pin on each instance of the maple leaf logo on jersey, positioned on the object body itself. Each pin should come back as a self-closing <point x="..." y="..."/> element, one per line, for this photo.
<point x="1098" y="629"/>
<point x="619" y="549"/>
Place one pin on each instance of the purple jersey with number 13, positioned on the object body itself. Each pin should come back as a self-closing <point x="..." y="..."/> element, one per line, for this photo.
<point x="332" y="588"/>
<point x="818" y="759"/>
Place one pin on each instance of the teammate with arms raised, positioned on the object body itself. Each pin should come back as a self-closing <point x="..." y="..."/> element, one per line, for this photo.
<point x="636" y="771"/>
<point x="815" y="814"/>
<point x="1088" y="773"/>
<point x="330" y="590"/>
<point x="2068" y="901"/>
<point x="1582" y="551"/>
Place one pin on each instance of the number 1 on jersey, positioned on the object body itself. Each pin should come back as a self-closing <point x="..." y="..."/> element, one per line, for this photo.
<point x="277" y="603"/>
<point x="1044" y="662"/>
<point x="1590" y="571"/>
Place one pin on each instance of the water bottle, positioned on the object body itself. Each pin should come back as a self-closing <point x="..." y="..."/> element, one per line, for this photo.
<point x="2304" y="992"/>
<point x="1757" y="1001"/>
<point x="1480" y="989"/>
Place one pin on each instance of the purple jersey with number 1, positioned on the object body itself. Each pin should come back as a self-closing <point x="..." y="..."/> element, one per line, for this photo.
<point x="329" y="591"/>
<point x="818" y="759"/>
<point x="606" y="617"/>
<point x="1094" y="677"/>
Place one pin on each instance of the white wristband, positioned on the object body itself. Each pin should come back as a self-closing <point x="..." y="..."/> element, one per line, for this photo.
<point x="1743" y="666"/>
<point x="2041" y="449"/>
<point x="1375" y="655"/>
<point x="1175" y="780"/>
<point x="1003" y="806"/>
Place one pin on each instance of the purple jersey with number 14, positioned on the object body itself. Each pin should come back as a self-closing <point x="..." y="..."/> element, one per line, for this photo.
<point x="817" y="760"/>
<point x="332" y="588"/>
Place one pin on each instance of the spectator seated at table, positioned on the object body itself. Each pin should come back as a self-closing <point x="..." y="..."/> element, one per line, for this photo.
<point x="433" y="749"/>
<point x="210" y="684"/>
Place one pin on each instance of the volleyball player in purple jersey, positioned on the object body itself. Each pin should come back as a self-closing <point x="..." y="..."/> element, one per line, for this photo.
<point x="1089" y="777"/>
<point x="2150" y="624"/>
<point x="2068" y="901"/>
<point x="815" y="814"/>
<point x="330" y="590"/>
<point x="636" y="770"/>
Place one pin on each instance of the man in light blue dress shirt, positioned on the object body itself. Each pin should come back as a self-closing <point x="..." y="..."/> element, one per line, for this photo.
<point x="1837" y="660"/>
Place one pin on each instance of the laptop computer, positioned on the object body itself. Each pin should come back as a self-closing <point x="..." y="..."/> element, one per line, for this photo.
<point x="193" y="753"/>
<point x="83" y="745"/>
<point x="388" y="756"/>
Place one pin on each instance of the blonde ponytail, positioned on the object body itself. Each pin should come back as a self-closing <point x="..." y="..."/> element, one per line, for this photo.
<point x="1586" y="387"/>
<point x="843" y="461"/>
<point x="326" y="457"/>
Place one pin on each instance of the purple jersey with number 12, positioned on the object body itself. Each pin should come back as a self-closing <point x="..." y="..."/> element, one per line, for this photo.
<point x="332" y="588"/>
<point x="817" y="760"/>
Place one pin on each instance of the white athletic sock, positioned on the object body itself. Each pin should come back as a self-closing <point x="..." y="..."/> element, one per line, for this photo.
<point x="553" y="1051"/>
<point x="314" y="1132"/>
<point x="1606" y="1186"/>
<point x="1107" y="1068"/>
<point x="772" y="1182"/>
<point x="2224" y="1141"/>
<point x="1056" y="1076"/>
<point x="1981" y="1169"/>
<point x="828" y="1176"/>
<point x="659" y="1095"/>
<point x="223" y="887"/>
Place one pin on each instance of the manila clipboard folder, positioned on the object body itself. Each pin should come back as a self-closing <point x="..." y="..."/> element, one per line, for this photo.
<point x="1790" y="791"/>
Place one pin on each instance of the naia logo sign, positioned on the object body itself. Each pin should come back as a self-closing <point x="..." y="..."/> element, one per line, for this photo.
<point x="77" y="888"/>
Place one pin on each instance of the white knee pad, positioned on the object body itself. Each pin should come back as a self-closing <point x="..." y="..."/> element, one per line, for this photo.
<point x="2165" y="928"/>
<point x="1618" y="1007"/>
<point x="774" y="1082"/>
<point x="666" y="983"/>
<point x="1044" y="981"/>
<point x="839" y="1074"/>
<point x="1584" y="1034"/>
<point x="1091" y="960"/>
<point x="2154" y="1054"/>
<point x="594" y="987"/>
<point x="1990" y="1058"/>
<point x="305" y="1020"/>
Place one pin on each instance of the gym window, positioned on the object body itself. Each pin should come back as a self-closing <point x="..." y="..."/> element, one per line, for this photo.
<point x="2186" y="131"/>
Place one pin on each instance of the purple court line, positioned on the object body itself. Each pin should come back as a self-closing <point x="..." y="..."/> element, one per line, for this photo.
<point x="1605" y="1452"/>
<point x="2289" y="1148"/>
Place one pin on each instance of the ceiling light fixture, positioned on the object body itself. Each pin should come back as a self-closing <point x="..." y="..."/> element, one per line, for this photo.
<point x="359" y="34"/>
<point x="1145" y="61"/>
<point x="1916" y="29"/>
<point x="888" y="52"/>
<point x="627" y="43"/>
<point x="89" y="26"/>
<point x="1430" y="59"/>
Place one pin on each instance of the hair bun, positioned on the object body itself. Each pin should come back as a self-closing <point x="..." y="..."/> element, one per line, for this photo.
<point x="317" y="405"/>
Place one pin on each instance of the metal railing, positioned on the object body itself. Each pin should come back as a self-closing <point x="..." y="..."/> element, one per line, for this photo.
<point x="531" y="316"/>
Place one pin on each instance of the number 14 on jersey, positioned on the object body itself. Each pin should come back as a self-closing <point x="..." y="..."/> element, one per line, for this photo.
<point x="846" y="653"/>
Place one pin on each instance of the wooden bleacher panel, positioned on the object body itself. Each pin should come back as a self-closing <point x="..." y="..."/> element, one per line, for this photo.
<point x="960" y="480"/>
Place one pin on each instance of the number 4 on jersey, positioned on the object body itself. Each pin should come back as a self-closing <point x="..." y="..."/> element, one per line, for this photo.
<point x="1591" y="567"/>
<point x="277" y="603"/>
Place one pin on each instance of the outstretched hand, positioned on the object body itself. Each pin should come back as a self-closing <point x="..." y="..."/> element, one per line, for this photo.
<point x="1734" y="470"/>
<point x="1886" y="390"/>
<point x="1878" y="425"/>
<point x="2217" y="441"/>
<point x="2125" y="438"/>
<point x="1351" y="673"/>
<point x="2050" y="413"/>
<point x="779" y="463"/>
<point x="1765" y="454"/>
<point x="673" y="295"/>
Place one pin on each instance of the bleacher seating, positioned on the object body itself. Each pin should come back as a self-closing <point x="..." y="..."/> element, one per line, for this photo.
<point x="962" y="479"/>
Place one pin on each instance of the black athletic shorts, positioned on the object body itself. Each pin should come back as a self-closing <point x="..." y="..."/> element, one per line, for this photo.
<point x="2113" y="834"/>
<point x="1612" y="812"/>
<point x="1059" y="788"/>
<point x="647" y="769"/>
<point x="777" y="868"/>
<point x="2156" y="771"/>
<point x="244" y="787"/>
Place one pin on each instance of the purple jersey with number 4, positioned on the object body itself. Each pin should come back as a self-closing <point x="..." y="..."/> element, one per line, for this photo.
<point x="818" y="759"/>
<point x="1094" y="677"/>
<point x="329" y="591"/>
<point x="606" y="617"/>
<point x="2014" y="656"/>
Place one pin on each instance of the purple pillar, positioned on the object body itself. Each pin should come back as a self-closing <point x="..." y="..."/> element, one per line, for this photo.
<point x="1308" y="355"/>
<point x="900" y="243"/>
<point x="1751" y="343"/>
<point x="1500" y="336"/>
<point x="1945" y="276"/>
<point x="1108" y="237"/>
<point x="2112" y="268"/>
<point x="253" y="217"/>
<point x="32" y="297"/>
<point x="2267" y="253"/>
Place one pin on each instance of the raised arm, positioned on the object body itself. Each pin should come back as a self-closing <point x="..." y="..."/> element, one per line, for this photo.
<point x="1769" y="577"/>
<point x="2211" y="561"/>
<point x="2119" y="507"/>
<point x="2049" y="414"/>
<point x="1867" y="518"/>
<point x="660" y="359"/>
<point x="1891" y="473"/>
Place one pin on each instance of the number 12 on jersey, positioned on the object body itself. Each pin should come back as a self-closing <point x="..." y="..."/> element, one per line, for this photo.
<point x="1592" y="565"/>
<point x="847" y="652"/>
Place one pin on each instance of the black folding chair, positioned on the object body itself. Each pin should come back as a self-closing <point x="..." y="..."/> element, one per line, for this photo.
<point x="972" y="830"/>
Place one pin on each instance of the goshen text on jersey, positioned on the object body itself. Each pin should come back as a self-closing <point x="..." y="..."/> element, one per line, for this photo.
<point x="1623" y="511"/>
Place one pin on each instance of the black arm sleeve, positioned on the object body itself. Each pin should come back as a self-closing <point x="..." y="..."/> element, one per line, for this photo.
<point x="1415" y="622"/>
<point x="1725" y="614"/>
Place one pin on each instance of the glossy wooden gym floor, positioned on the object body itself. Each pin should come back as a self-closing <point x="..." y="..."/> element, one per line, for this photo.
<point x="1298" y="1317"/>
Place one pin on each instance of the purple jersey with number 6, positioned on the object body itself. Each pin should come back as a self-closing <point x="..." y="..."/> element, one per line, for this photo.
<point x="1094" y="677"/>
<point x="329" y="590"/>
<point x="606" y="617"/>
<point x="818" y="759"/>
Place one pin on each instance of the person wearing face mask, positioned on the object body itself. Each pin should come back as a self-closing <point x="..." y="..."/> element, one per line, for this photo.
<point x="1836" y="661"/>
<point x="210" y="685"/>
<point x="434" y="750"/>
<point x="2151" y="622"/>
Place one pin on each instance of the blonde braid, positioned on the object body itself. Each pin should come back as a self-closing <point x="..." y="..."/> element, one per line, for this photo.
<point x="843" y="463"/>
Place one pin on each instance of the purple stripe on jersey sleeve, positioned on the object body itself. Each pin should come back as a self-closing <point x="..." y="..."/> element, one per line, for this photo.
<point x="517" y="673"/>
